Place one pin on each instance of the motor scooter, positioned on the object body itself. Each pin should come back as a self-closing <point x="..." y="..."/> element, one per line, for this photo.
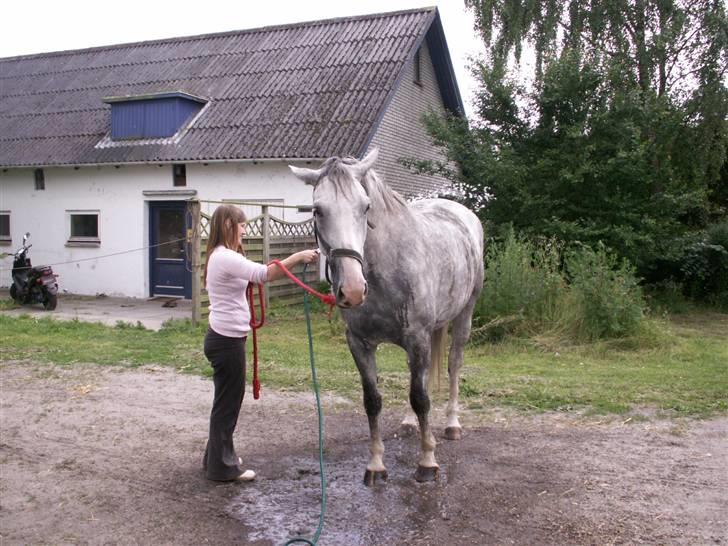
<point x="32" y="284"/>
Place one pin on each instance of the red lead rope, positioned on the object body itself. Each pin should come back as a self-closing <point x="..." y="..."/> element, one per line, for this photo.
<point x="328" y="299"/>
<point x="255" y="325"/>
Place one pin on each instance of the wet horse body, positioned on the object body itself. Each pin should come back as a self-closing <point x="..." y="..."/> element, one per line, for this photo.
<point x="419" y="266"/>
<point x="423" y="269"/>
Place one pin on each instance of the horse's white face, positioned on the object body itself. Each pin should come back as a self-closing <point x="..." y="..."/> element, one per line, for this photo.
<point x="340" y="207"/>
<point x="341" y="221"/>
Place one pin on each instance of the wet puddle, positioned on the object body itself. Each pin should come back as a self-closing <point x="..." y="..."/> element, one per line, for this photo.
<point x="398" y="511"/>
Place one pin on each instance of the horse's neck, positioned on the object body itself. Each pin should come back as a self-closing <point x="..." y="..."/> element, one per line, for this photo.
<point x="391" y="219"/>
<point x="387" y="231"/>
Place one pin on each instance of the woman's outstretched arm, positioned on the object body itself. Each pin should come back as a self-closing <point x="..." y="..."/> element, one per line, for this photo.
<point x="302" y="257"/>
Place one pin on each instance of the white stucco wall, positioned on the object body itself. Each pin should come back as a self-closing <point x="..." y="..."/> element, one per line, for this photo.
<point x="117" y="194"/>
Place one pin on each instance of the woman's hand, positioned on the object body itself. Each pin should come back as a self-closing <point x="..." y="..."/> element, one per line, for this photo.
<point x="302" y="257"/>
<point x="308" y="256"/>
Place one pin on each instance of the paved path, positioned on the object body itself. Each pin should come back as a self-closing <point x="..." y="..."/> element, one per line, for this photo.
<point x="152" y="313"/>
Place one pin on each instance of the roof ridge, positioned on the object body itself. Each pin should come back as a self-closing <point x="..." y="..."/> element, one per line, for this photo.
<point x="310" y="23"/>
<point x="154" y="61"/>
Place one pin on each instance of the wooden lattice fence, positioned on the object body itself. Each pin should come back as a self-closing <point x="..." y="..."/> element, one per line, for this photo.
<point x="267" y="238"/>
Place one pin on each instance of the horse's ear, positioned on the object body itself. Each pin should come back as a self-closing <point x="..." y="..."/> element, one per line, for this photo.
<point x="368" y="161"/>
<point x="309" y="176"/>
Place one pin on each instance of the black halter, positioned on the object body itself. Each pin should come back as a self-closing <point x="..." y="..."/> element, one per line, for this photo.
<point x="333" y="253"/>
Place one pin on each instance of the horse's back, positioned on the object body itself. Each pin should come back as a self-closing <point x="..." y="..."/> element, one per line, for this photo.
<point x="443" y="214"/>
<point x="452" y="244"/>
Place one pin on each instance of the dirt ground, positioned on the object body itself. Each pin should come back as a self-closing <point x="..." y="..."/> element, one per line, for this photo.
<point x="99" y="455"/>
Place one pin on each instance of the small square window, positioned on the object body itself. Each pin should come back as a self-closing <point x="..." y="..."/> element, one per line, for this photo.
<point x="39" y="179"/>
<point x="84" y="225"/>
<point x="84" y="228"/>
<point x="179" y="175"/>
<point x="5" y="227"/>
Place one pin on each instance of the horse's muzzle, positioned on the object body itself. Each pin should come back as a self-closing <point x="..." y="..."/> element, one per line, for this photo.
<point x="349" y="284"/>
<point x="353" y="298"/>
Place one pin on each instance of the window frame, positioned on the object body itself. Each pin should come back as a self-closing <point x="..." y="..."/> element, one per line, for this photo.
<point x="179" y="175"/>
<point x="39" y="177"/>
<point x="83" y="240"/>
<point x="134" y="118"/>
<point x="417" y="67"/>
<point x="6" y="240"/>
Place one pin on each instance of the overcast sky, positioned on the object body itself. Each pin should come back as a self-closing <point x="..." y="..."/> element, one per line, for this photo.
<point x="39" y="26"/>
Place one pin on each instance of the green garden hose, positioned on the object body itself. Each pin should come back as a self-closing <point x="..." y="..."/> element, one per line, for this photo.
<point x="314" y="540"/>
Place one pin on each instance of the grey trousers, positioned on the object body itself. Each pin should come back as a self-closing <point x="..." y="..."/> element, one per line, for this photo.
<point x="227" y="357"/>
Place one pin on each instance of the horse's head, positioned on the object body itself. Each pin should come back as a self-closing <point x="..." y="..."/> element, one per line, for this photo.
<point x="340" y="206"/>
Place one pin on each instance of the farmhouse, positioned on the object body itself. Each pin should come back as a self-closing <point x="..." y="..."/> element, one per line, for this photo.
<point x="101" y="149"/>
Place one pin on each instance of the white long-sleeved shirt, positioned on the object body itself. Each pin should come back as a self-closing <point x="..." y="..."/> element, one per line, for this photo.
<point x="228" y="274"/>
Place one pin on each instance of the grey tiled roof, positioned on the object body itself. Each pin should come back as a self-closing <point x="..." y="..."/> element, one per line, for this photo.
<point x="307" y="90"/>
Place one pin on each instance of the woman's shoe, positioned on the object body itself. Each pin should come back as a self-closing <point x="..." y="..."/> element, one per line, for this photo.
<point x="247" y="476"/>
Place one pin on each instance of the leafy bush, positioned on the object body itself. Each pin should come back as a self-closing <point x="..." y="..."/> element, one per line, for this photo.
<point x="718" y="234"/>
<point x="528" y="291"/>
<point x="667" y="297"/>
<point x="606" y="293"/>
<point x="523" y="285"/>
<point x="704" y="267"/>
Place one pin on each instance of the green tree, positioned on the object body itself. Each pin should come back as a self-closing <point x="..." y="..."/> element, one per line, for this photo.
<point x="620" y="138"/>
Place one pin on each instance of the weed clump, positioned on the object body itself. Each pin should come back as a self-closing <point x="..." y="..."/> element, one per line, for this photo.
<point x="607" y="298"/>
<point x="536" y="288"/>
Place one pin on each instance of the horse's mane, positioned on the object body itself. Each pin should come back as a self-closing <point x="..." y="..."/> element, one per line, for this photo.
<point x="382" y="196"/>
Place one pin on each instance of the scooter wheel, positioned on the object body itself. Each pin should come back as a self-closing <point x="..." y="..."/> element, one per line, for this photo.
<point x="14" y="292"/>
<point x="50" y="302"/>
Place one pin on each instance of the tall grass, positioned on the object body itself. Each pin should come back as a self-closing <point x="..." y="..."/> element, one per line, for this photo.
<point x="608" y="301"/>
<point x="523" y="290"/>
<point x="533" y="288"/>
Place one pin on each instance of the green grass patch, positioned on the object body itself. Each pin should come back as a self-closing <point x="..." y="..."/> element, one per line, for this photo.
<point x="7" y="304"/>
<point x="677" y="366"/>
<point x="680" y="367"/>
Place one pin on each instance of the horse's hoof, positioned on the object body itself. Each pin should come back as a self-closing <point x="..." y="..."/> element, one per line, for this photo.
<point x="453" y="433"/>
<point x="427" y="473"/>
<point x="371" y="477"/>
<point x="408" y="429"/>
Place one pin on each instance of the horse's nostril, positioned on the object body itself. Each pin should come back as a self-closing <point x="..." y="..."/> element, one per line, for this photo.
<point x="366" y="288"/>
<point x="345" y="299"/>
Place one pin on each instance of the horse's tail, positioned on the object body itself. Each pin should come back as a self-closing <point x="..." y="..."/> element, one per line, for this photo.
<point x="437" y="360"/>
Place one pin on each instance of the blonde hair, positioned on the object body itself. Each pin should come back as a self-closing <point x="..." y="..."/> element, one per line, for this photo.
<point x="224" y="231"/>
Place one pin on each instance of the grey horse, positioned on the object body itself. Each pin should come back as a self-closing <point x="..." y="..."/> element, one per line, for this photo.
<point x="401" y="274"/>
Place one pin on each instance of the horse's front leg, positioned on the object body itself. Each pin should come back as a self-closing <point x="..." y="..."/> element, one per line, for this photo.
<point x="363" y="354"/>
<point x="419" y="354"/>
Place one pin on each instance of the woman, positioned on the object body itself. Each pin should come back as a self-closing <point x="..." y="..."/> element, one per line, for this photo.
<point x="227" y="274"/>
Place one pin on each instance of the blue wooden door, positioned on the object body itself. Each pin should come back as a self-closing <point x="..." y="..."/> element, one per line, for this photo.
<point x="168" y="265"/>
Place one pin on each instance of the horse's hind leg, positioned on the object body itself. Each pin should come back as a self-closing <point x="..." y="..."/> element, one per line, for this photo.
<point x="363" y="354"/>
<point x="460" y="334"/>
<point x="419" y="354"/>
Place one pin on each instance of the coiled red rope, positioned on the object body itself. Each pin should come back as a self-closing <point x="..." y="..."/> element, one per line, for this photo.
<point x="327" y="299"/>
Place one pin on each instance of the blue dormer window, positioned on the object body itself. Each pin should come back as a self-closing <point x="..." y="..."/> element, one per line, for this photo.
<point x="158" y="115"/>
